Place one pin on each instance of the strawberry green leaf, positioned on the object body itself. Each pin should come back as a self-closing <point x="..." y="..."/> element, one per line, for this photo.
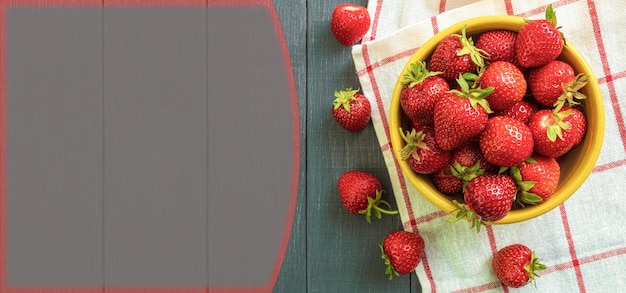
<point x="551" y="15"/>
<point x="417" y="73"/>
<point x="533" y="267"/>
<point x="571" y="95"/>
<point x="343" y="99"/>
<point x="462" y="212"/>
<point x="414" y="142"/>
<point x="374" y="205"/>
<point x="477" y="55"/>
<point x="389" y="270"/>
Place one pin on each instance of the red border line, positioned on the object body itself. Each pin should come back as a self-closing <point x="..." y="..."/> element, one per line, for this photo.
<point x="385" y="61"/>
<point x="608" y="166"/>
<point x="597" y="31"/>
<point x="375" y="20"/>
<point x="572" y="249"/>
<point x="442" y="6"/>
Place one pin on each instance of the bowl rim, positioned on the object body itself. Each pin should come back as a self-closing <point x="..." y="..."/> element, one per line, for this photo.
<point x="591" y="145"/>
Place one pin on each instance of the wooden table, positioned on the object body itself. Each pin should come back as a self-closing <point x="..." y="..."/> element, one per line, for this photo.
<point x="331" y="250"/>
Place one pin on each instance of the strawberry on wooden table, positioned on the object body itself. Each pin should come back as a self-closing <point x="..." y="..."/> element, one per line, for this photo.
<point x="487" y="198"/>
<point x="460" y="115"/>
<point x="455" y="55"/>
<point x="506" y="141"/>
<point x="361" y="194"/>
<point x="539" y="41"/>
<point x="349" y="23"/>
<point x="508" y="82"/>
<point x="421" y="151"/>
<point x="402" y="252"/>
<point x="351" y="110"/>
<point x="421" y="89"/>
<point x="516" y="265"/>
<point x="556" y="132"/>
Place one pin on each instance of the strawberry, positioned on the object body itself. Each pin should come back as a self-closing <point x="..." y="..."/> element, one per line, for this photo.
<point x="421" y="151"/>
<point x="349" y="23"/>
<point x="546" y="82"/>
<point x="351" y="110"/>
<point x="521" y="111"/>
<point x="516" y="265"/>
<point x="499" y="45"/>
<point x="539" y="41"/>
<point x="421" y="89"/>
<point x="402" y="252"/>
<point x="557" y="131"/>
<point x="446" y="182"/>
<point x="537" y="178"/>
<point x="460" y="115"/>
<point x="488" y="198"/>
<point x="506" y="141"/>
<point x="508" y="82"/>
<point x="455" y="55"/>
<point x="361" y="193"/>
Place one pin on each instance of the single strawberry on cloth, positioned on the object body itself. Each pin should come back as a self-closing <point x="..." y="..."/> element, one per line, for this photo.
<point x="583" y="241"/>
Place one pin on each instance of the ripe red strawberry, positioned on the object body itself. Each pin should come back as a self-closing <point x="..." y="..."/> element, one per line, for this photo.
<point x="351" y="110"/>
<point x="455" y="55"/>
<point x="539" y="41"/>
<point x="499" y="45"/>
<point x="446" y="182"/>
<point x="488" y="198"/>
<point x="546" y="82"/>
<point x="516" y="265"/>
<point x="506" y="141"/>
<point x="349" y="23"/>
<point x="508" y="82"/>
<point x="537" y="178"/>
<point x="421" y="89"/>
<point x="402" y="252"/>
<point x="468" y="161"/>
<point x="460" y="115"/>
<point x="521" y="111"/>
<point x="557" y="131"/>
<point x="361" y="193"/>
<point x="421" y="151"/>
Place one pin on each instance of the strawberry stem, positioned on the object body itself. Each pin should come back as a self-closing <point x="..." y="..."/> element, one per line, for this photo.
<point x="556" y="126"/>
<point x="389" y="270"/>
<point x="374" y="205"/>
<point x="464" y="213"/>
<point x="477" y="55"/>
<point x="343" y="98"/>
<point x="523" y="195"/>
<point x="571" y="94"/>
<point x="417" y="73"/>
<point x="476" y="96"/>
<point x="414" y="142"/>
<point x="533" y="267"/>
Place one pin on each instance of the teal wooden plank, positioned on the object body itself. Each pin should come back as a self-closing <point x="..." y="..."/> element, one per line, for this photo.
<point x="292" y="16"/>
<point x="342" y="249"/>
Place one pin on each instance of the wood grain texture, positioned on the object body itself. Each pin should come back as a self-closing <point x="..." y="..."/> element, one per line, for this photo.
<point x="342" y="253"/>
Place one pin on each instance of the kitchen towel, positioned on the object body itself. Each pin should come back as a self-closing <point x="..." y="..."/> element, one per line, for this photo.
<point x="583" y="241"/>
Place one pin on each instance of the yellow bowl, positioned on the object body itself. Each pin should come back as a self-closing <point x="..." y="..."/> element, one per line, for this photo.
<point x="576" y="165"/>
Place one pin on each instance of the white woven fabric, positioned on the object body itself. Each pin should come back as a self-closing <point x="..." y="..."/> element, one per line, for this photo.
<point x="583" y="241"/>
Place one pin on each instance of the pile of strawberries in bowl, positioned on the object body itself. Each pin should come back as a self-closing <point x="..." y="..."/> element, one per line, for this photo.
<point x="497" y="119"/>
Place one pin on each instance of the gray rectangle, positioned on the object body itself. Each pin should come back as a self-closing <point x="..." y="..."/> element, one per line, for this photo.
<point x="54" y="166"/>
<point x="155" y="146"/>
